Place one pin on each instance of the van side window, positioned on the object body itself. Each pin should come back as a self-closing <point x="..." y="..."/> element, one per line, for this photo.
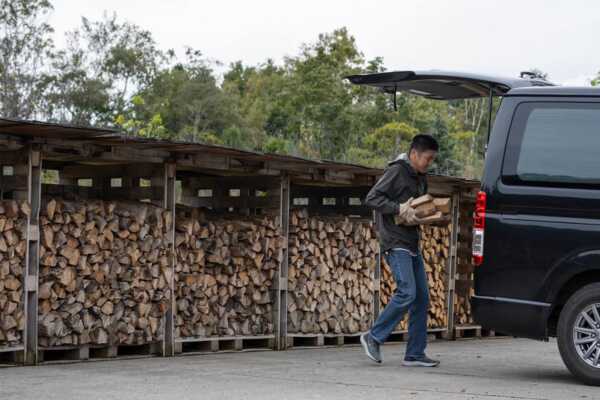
<point x="554" y="144"/>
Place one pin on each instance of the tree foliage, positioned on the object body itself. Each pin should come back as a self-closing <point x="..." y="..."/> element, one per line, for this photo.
<point x="26" y="49"/>
<point x="112" y="72"/>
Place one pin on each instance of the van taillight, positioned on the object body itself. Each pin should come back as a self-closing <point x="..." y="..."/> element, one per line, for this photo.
<point x="479" y="228"/>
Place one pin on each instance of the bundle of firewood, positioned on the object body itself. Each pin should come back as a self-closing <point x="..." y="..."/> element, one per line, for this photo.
<point x="434" y="245"/>
<point x="224" y="275"/>
<point x="104" y="273"/>
<point x="13" y="246"/>
<point x="331" y="268"/>
<point x="431" y="210"/>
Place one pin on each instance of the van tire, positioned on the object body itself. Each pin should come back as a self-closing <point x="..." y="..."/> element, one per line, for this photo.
<point x="583" y="298"/>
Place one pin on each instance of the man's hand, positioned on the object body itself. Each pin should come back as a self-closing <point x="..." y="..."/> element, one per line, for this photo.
<point x="407" y="214"/>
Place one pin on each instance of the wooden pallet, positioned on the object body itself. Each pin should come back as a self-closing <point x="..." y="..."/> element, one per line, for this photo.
<point x="467" y="332"/>
<point x="224" y="343"/>
<point x="318" y="340"/>
<point x="96" y="352"/>
<point x="475" y="332"/>
<point x="11" y="355"/>
<point x="432" y="335"/>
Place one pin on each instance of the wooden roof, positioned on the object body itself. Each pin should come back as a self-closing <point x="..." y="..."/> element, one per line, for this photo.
<point x="62" y="143"/>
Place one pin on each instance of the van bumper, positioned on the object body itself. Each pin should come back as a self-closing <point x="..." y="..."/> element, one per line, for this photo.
<point x="511" y="316"/>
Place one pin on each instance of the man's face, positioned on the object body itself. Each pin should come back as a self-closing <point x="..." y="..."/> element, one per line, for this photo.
<point x="421" y="161"/>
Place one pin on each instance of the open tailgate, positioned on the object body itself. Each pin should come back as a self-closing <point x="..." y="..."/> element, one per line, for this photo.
<point x="443" y="85"/>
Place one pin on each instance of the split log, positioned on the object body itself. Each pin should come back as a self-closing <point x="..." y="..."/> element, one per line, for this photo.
<point x="13" y="244"/>
<point x="431" y="211"/>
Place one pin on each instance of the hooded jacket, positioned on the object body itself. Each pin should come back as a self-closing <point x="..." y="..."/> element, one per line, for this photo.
<point x="399" y="183"/>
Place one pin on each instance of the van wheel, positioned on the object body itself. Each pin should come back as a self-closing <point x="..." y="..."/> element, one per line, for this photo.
<point x="579" y="334"/>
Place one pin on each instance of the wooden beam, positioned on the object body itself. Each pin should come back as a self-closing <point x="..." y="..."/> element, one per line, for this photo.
<point x="376" y="281"/>
<point x="338" y="175"/>
<point x="12" y="157"/>
<point x="139" y="170"/>
<point x="170" y="205"/>
<point x="233" y="182"/>
<point x="77" y="151"/>
<point x="452" y="262"/>
<point x="12" y="143"/>
<point x="135" y="155"/>
<point x="291" y="167"/>
<point x="202" y="161"/>
<point x="32" y="256"/>
<point x="281" y="284"/>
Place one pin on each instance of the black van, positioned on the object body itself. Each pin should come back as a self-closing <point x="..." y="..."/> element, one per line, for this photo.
<point x="536" y="232"/>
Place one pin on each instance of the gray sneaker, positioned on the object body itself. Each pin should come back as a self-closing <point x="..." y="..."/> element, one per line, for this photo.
<point x="420" y="362"/>
<point x="371" y="347"/>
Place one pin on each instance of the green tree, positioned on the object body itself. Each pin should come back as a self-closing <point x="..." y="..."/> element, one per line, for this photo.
<point x="255" y="95"/>
<point x="72" y="94"/>
<point x="383" y="144"/>
<point x="321" y="98"/>
<point x="190" y="101"/>
<point x="26" y="48"/>
<point x="112" y="60"/>
<point x="130" y="123"/>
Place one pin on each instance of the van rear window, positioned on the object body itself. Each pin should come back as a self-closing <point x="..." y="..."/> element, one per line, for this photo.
<point x="554" y="143"/>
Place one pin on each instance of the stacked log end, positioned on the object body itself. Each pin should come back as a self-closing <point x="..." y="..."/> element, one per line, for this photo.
<point x="462" y="307"/>
<point x="104" y="273"/>
<point x="13" y="245"/>
<point x="331" y="268"/>
<point x="224" y="275"/>
<point x="465" y="268"/>
<point x="435" y="247"/>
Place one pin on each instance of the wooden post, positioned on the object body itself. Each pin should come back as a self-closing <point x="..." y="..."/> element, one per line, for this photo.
<point x="452" y="262"/>
<point x="169" y="205"/>
<point x="32" y="256"/>
<point x="376" y="281"/>
<point x="280" y="309"/>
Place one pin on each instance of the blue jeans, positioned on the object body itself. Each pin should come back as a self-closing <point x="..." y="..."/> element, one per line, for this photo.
<point x="412" y="294"/>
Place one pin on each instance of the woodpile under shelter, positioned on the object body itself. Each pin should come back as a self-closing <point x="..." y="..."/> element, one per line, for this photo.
<point x="113" y="245"/>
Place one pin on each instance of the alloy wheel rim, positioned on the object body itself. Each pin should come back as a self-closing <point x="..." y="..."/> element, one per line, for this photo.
<point x="586" y="335"/>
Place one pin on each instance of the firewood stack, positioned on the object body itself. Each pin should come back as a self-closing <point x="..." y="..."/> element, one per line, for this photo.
<point x="464" y="267"/>
<point x="435" y="247"/>
<point x="13" y="245"/>
<point x="104" y="273"/>
<point x="331" y="268"/>
<point x="462" y="309"/>
<point x="225" y="273"/>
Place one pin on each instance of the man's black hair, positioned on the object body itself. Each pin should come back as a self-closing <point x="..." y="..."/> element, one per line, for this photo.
<point x="423" y="142"/>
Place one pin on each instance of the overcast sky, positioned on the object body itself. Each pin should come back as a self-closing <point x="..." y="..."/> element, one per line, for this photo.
<point x="502" y="37"/>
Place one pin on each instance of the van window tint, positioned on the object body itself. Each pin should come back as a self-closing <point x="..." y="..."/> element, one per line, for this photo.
<point x="555" y="143"/>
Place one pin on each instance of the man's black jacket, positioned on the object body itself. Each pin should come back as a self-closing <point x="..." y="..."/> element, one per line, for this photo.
<point x="399" y="183"/>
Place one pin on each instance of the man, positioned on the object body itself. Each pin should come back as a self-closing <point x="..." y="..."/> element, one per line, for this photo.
<point x="403" y="179"/>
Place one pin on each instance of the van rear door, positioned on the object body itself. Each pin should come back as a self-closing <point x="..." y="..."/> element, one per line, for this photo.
<point x="443" y="85"/>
